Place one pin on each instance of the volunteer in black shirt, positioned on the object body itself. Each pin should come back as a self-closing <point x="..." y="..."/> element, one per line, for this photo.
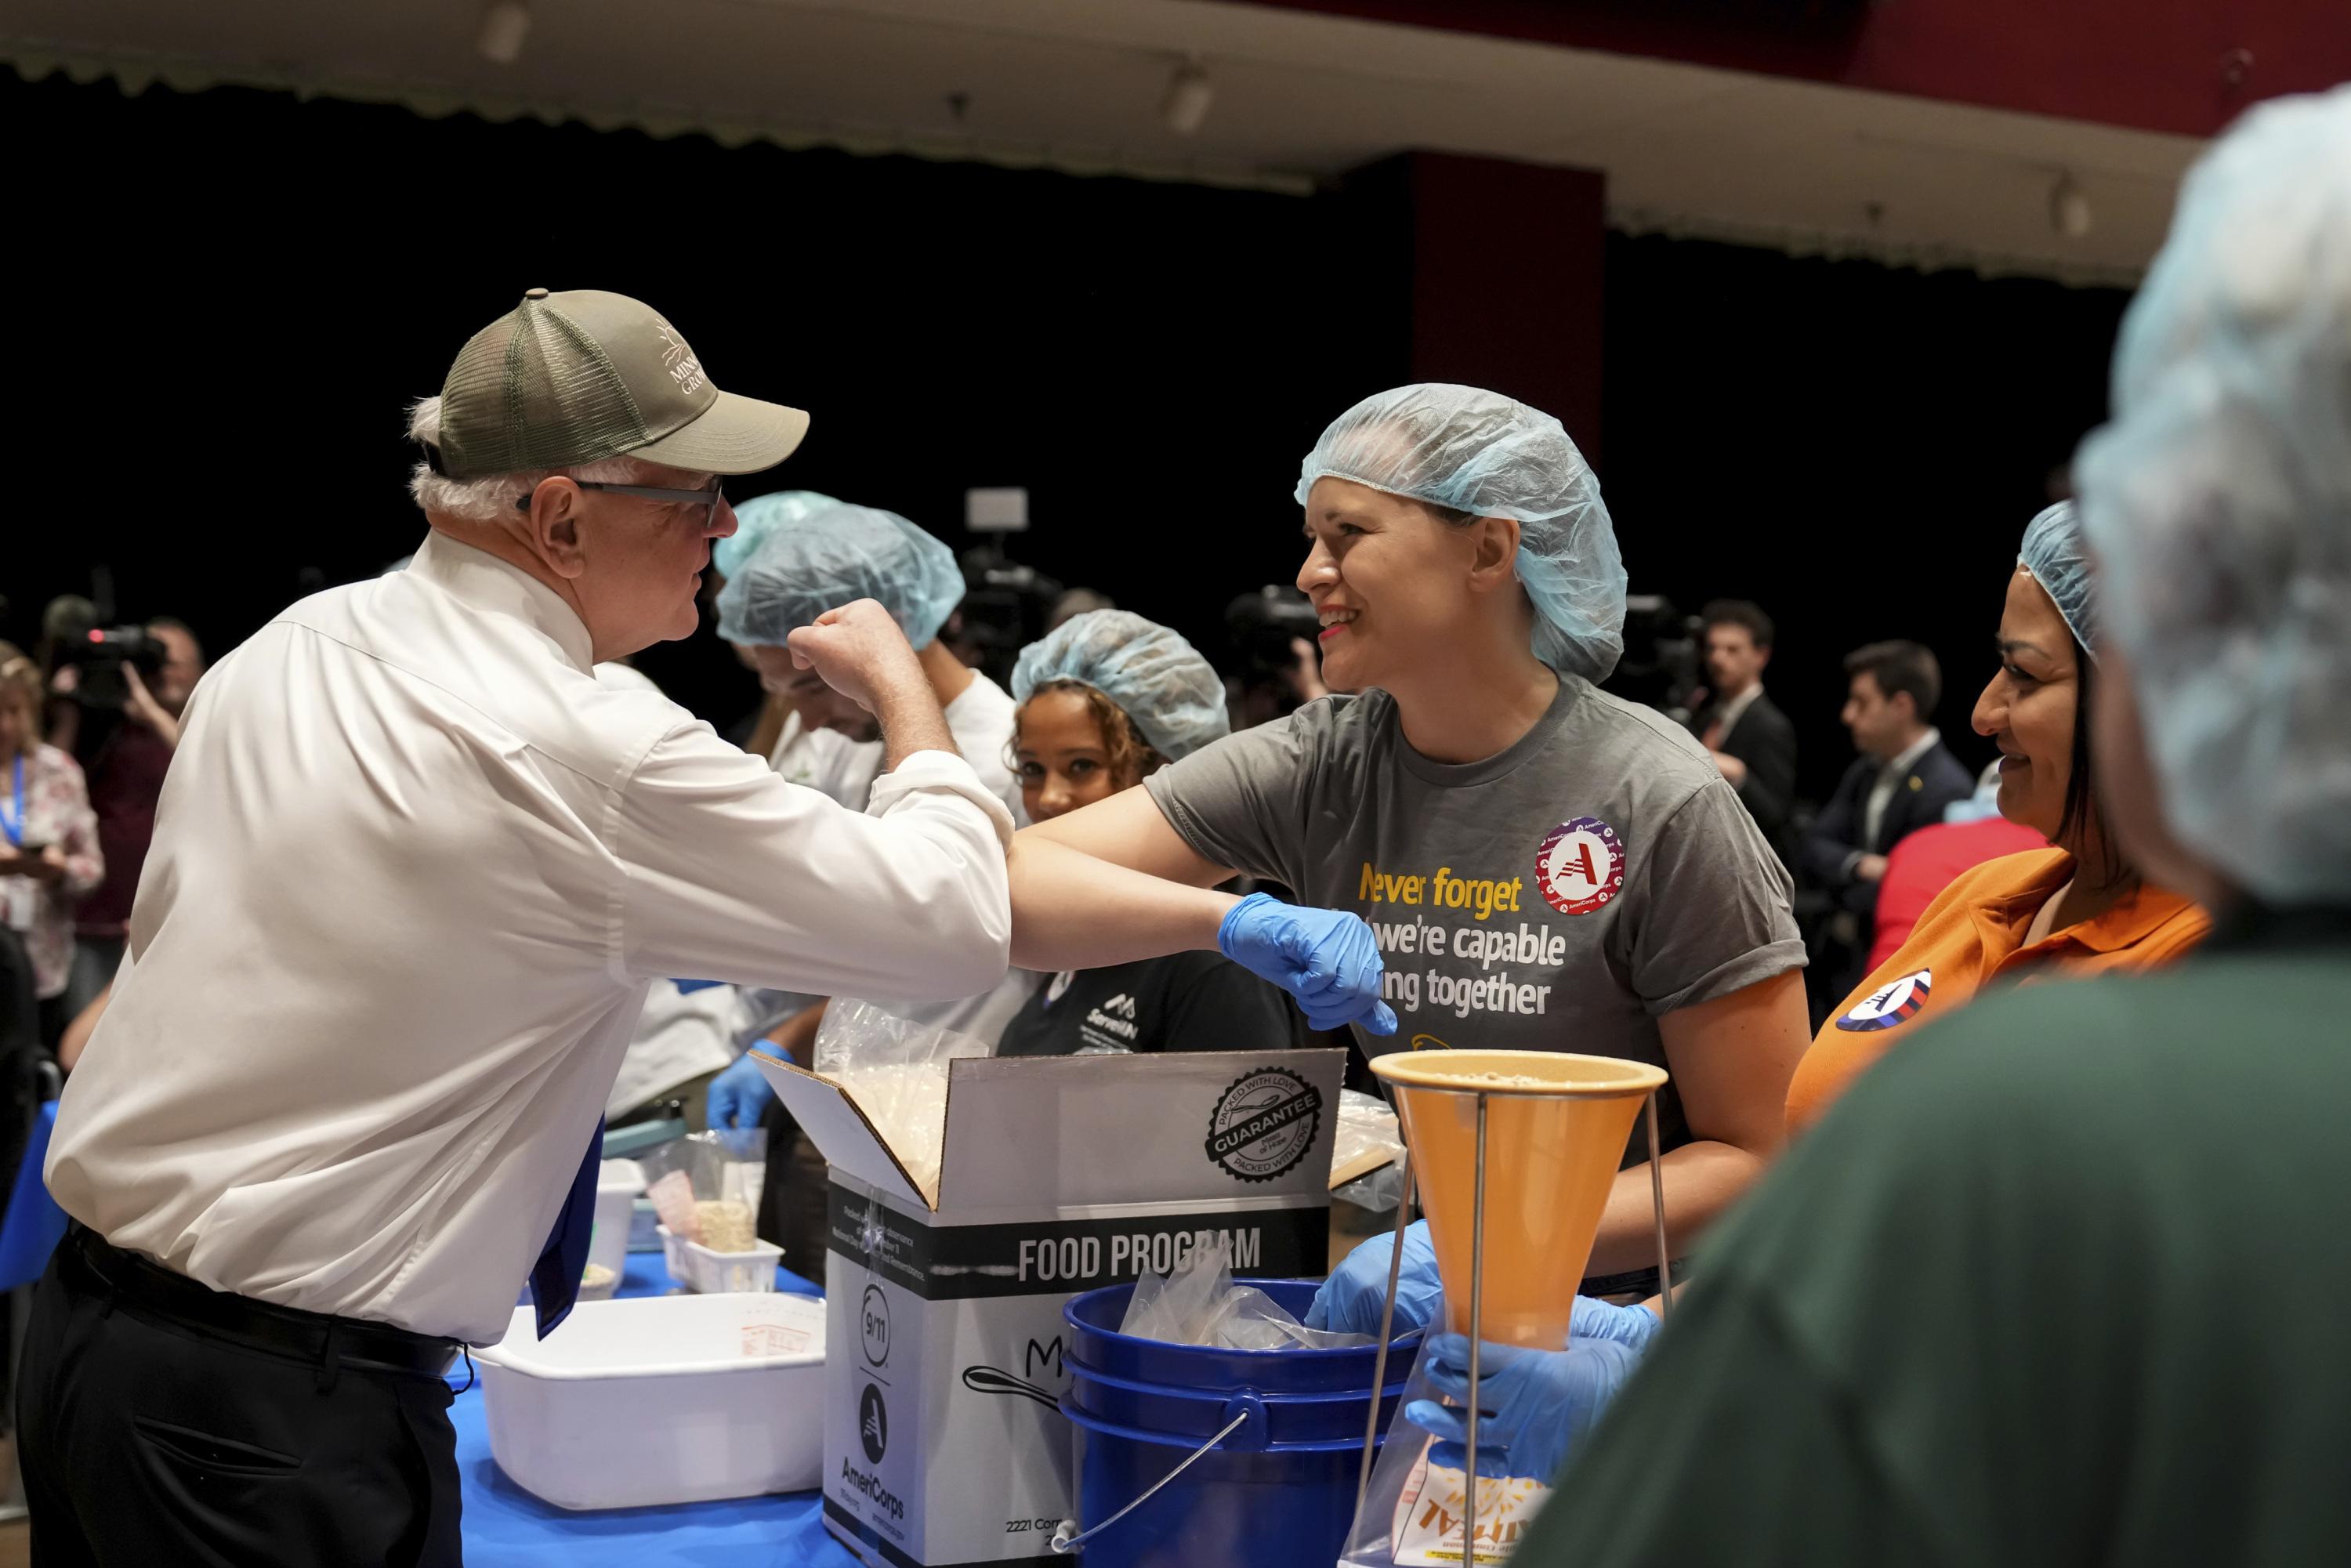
<point x="1105" y="699"/>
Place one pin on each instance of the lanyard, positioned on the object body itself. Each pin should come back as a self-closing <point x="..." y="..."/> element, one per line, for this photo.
<point x="11" y="821"/>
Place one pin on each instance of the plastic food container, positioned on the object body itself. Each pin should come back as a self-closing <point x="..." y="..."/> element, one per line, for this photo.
<point x="618" y="1182"/>
<point x="697" y="1267"/>
<point x="660" y="1400"/>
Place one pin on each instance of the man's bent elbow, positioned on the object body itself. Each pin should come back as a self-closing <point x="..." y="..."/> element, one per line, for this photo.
<point x="966" y="942"/>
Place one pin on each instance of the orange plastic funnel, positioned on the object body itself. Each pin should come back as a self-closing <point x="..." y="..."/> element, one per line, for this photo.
<point x="1555" y="1132"/>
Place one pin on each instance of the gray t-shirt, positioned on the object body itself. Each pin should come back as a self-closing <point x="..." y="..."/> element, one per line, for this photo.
<point x="1559" y="896"/>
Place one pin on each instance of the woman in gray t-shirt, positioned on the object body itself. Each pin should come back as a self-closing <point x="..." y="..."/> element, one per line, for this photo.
<point x="1543" y="866"/>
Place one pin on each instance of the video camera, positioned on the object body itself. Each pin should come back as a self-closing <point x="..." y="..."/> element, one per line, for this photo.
<point x="1262" y="625"/>
<point x="101" y="653"/>
<point x="1661" y="667"/>
<point x="1004" y="609"/>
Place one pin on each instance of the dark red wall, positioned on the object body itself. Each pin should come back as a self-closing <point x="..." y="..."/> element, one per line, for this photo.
<point x="2183" y="65"/>
<point x="1454" y="300"/>
<point x="1520" y="312"/>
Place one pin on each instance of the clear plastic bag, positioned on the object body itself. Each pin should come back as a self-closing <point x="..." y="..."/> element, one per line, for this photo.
<point x="708" y="1178"/>
<point x="1199" y="1304"/>
<point x="1414" y="1512"/>
<point x="896" y="1071"/>
<point x="1369" y="1146"/>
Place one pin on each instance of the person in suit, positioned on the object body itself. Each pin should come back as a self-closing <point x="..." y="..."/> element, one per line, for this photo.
<point x="1902" y="781"/>
<point x="1751" y="741"/>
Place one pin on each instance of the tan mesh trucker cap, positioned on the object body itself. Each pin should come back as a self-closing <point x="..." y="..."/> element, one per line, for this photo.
<point x="580" y="376"/>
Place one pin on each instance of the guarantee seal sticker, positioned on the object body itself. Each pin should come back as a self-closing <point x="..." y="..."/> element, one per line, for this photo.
<point x="1264" y="1125"/>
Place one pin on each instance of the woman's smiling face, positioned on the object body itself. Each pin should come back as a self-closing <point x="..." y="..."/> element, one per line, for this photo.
<point x="2030" y="707"/>
<point x="1387" y="576"/>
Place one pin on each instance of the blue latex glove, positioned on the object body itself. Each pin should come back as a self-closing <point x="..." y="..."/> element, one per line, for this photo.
<point x="738" y="1096"/>
<point x="1632" y="1327"/>
<point x="1323" y="958"/>
<point x="1534" y="1404"/>
<point x="1351" y="1300"/>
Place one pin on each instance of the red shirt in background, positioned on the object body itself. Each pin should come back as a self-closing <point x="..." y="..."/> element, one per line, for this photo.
<point x="1922" y="866"/>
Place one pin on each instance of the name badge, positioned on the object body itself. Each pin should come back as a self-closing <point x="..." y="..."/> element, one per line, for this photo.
<point x="20" y="902"/>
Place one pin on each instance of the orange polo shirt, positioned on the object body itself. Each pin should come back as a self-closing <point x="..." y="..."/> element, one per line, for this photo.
<point x="1972" y="935"/>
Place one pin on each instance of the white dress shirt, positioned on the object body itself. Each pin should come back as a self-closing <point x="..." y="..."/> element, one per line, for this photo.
<point x="980" y="720"/>
<point x="413" y="870"/>
<point x="1889" y="778"/>
<point x="680" y="1036"/>
<point x="1726" y="717"/>
<point x="826" y="760"/>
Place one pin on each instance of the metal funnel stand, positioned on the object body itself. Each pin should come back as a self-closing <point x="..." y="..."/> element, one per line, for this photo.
<point x="1555" y="1125"/>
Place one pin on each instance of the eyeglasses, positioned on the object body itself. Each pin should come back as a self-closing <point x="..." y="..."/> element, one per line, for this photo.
<point x="708" y="496"/>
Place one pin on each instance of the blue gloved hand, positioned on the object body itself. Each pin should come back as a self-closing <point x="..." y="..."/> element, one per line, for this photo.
<point x="1351" y="1300"/>
<point x="1534" y="1404"/>
<point x="1632" y="1327"/>
<point x="1325" y="958"/>
<point x="738" y="1096"/>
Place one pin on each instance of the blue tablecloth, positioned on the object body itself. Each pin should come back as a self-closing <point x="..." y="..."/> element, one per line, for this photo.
<point x="506" y="1525"/>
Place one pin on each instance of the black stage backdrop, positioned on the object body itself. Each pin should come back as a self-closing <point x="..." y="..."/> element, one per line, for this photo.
<point x="1857" y="448"/>
<point x="225" y="299"/>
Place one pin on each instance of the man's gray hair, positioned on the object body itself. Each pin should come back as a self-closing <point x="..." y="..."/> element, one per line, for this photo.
<point x="485" y="500"/>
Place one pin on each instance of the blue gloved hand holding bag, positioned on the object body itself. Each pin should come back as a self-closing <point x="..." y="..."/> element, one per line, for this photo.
<point x="1536" y="1403"/>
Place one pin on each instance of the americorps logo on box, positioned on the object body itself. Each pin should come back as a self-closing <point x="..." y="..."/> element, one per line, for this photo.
<point x="944" y="1440"/>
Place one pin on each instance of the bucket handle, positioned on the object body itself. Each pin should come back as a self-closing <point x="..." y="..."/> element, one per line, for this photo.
<point x="1065" y="1537"/>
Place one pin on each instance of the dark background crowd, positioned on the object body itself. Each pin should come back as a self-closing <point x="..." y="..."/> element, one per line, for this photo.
<point x="1148" y="360"/>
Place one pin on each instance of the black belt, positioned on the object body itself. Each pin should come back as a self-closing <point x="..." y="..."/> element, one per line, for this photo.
<point x="317" y="1338"/>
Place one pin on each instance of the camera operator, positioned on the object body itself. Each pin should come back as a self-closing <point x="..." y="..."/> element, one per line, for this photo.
<point x="1005" y="606"/>
<point x="1661" y="667"/>
<point x="1279" y="669"/>
<point x="122" y="693"/>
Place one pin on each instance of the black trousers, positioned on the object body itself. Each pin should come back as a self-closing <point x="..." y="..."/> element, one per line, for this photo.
<point x="147" y="1440"/>
<point x="794" y="1195"/>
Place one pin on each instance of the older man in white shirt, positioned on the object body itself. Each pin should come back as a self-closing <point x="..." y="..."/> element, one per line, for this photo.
<point x="412" y="872"/>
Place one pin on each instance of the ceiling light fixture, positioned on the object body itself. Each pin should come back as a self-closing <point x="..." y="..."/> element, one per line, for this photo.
<point x="1190" y="95"/>
<point x="505" y="25"/>
<point x="2069" y="208"/>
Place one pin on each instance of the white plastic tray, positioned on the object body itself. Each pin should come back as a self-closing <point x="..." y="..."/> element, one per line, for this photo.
<point x="698" y="1268"/>
<point x="661" y="1399"/>
<point x="618" y="1182"/>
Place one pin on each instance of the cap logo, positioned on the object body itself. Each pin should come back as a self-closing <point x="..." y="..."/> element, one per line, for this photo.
<point x="684" y="367"/>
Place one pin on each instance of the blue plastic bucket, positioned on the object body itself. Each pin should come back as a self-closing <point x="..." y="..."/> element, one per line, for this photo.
<point x="1277" y="1492"/>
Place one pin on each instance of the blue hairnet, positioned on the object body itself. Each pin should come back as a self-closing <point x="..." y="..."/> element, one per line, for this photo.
<point x="1147" y="672"/>
<point x="2218" y="501"/>
<point x="2053" y="553"/>
<point x="828" y="556"/>
<point x="1493" y="456"/>
<point x="755" y="520"/>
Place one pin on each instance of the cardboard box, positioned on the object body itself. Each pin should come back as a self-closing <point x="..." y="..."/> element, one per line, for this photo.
<point x="944" y="1441"/>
